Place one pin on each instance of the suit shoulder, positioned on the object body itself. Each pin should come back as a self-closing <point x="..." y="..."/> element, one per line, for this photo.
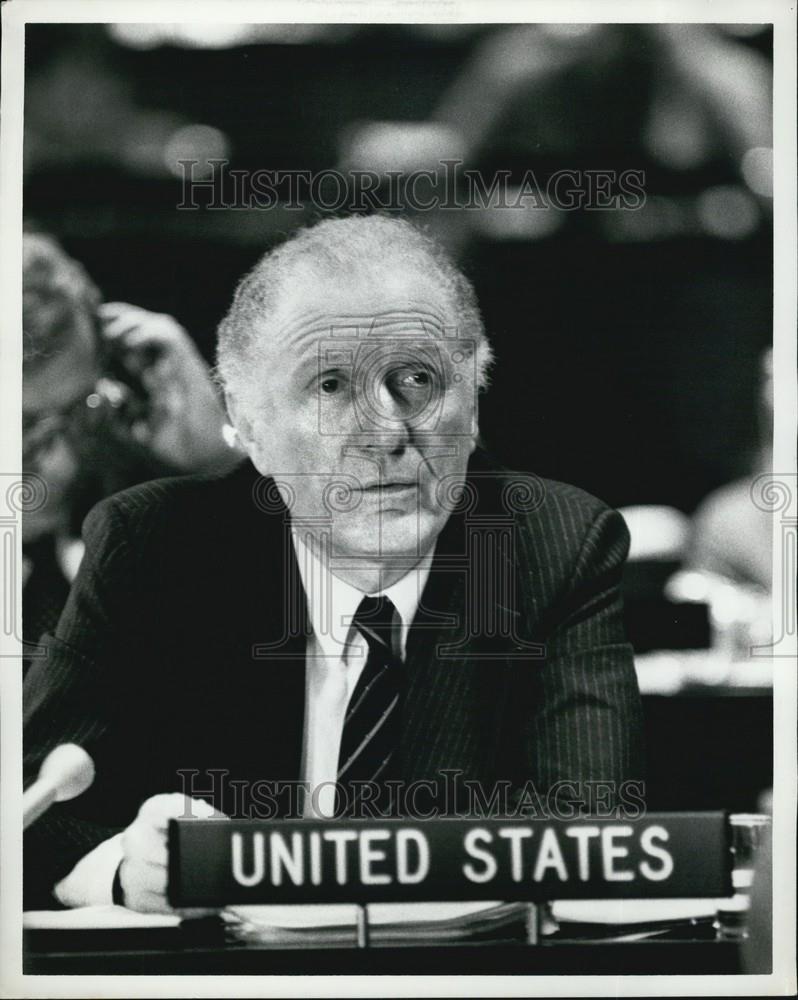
<point x="565" y="541"/>
<point x="571" y="517"/>
<point x="565" y="495"/>
<point x="578" y="513"/>
<point x="167" y="503"/>
<point x="539" y="501"/>
<point x="562" y="530"/>
<point x="528" y="493"/>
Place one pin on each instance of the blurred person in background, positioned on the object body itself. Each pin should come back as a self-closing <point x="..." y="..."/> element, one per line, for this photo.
<point x="547" y="95"/>
<point x="112" y="395"/>
<point x="729" y="549"/>
<point x="731" y="536"/>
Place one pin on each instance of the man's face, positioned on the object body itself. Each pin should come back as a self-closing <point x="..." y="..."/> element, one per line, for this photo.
<point x="364" y="411"/>
<point x="51" y="395"/>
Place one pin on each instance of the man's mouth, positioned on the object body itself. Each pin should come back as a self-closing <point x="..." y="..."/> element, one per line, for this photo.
<point x="390" y="488"/>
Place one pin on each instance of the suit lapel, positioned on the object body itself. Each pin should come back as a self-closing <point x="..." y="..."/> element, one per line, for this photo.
<point x="275" y="627"/>
<point x="460" y="650"/>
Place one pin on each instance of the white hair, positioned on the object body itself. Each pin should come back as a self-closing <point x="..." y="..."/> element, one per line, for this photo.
<point x="376" y="246"/>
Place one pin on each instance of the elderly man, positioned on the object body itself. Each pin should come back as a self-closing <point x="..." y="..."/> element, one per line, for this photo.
<point x="367" y="611"/>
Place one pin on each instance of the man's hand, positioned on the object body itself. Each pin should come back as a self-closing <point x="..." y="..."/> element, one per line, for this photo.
<point x="144" y="869"/>
<point x="183" y="420"/>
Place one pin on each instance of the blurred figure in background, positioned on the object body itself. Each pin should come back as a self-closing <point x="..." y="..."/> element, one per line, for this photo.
<point x="728" y="554"/>
<point x="686" y="98"/>
<point x="112" y="395"/>
<point x="731" y="535"/>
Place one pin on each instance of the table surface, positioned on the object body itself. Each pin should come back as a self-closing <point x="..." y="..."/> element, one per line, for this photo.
<point x="204" y="950"/>
<point x="564" y="958"/>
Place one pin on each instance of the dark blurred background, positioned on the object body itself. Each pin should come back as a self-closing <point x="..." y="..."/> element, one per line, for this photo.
<point x="627" y="341"/>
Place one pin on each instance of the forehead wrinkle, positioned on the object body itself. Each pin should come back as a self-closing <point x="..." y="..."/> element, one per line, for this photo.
<point x="426" y="318"/>
<point x="302" y="330"/>
<point x="311" y="323"/>
<point x="296" y="332"/>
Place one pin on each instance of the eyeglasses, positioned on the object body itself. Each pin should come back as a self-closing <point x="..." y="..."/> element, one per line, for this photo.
<point x="73" y="422"/>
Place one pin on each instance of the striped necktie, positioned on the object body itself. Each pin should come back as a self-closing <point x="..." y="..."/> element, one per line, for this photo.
<point x="371" y="724"/>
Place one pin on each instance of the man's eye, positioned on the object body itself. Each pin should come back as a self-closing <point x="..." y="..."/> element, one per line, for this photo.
<point x="418" y="379"/>
<point x="330" y="385"/>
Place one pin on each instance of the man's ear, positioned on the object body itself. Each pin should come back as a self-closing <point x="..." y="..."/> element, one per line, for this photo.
<point x="243" y="425"/>
<point x="475" y="442"/>
<point x="476" y="438"/>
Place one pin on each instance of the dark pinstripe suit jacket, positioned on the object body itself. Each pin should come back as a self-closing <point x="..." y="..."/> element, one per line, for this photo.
<point x="181" y="649"/>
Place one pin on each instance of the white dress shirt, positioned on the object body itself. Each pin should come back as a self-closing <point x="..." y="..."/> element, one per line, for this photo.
<point x="334" y="659"/>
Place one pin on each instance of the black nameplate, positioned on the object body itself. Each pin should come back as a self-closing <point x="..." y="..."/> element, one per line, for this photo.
<point x="218" y="861"/>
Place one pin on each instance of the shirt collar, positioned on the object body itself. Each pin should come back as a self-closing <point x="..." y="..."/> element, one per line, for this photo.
<point x="332" y="602"/>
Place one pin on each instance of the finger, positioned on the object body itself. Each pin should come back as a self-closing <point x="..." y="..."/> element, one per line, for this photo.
<point x="114" y="308"/>
<point x="115" y="323"/>
<point x="160" y="370"/>
<point x="148" y="902"/>
<point x="159" y="809"/>
<point x="145" y="333"/>
<point x="204" y="810"/>
<point x="117" y="333"/>
<point x="217" y="814"/>
<point x="143" y="842"/>
<point x="137" y="362"/>
<point x="115" y="313"/>
<point x="138" y="878"/>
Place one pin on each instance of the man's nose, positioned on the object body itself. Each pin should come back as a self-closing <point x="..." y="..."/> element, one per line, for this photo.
<point x="384" y="419"/>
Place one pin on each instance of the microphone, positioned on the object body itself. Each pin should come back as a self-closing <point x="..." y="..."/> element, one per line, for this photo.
<point x="66" y="772"/>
